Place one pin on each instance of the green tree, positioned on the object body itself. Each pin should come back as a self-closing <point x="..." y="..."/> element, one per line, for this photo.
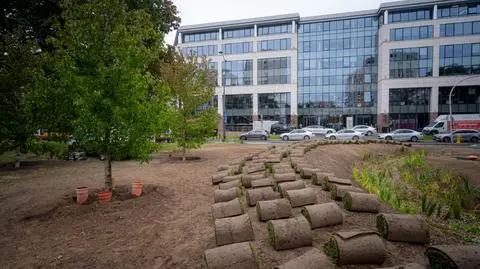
<point x="191" y="87"/>
<point x="105" y="51"/>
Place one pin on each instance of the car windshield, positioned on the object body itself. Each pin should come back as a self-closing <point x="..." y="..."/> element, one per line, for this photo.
<point x="431" y="124"/>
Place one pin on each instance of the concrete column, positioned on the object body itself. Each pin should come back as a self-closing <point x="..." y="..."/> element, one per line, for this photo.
<point x="255" y="71"/>
<point x="385" y="17"/>
<point x="294" y="103"/>
<point x="382" y="121"/>
<point x="220" y="34"/>
<point x="220" y="104"/>
<point x="434" y="100"/>
<point x="293" y="27"/>
<point x="255" y="30"/>
<point x="435" y="12"/>
<point x="255" y="106"/>
<point x="179" y="38"/>
<point x="436" y="61"/>
<point x="220" y="73"/>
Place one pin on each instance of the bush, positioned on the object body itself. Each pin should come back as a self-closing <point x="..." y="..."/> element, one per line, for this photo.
<point x="51" y="148"/>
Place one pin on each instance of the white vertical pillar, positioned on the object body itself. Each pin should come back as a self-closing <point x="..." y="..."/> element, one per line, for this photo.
<point x="255" y="103"/>
<point x="434" y="100"/>
<point x="435" y="12"/>
<point x="436" y="61"/>
<point x="220" y="103"/>
<point x="293" y="102"/>
<point x="385" y="17"/>
<point x="293" y="27"/>
<point x="179" y="38"/>
<point x="255" y="71"/>
<point x="220" y="34"/>
<point x="255" y="30"/>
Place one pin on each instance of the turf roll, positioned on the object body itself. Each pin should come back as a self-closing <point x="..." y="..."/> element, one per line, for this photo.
<point x="229" y="185"/>
<point x="233" y="230"/>
<point x="300" y="166"/>
<point x="318" y="177"/>
<point x="247" y="179"/>
<point x="263" y="182"/>
<point x="222" y="167"/>
<point x="218" y="176"/>
<point x="227" y="209"/>
<point x="225" y="195"/>
<point x="338" y="191"/>
<point x="301" y="197"/>
<point x="290" y="185"/>
<point x="328" y="182"/>
<point x="284" y="171"/>
<point x="273" y="209"/>
<point x="323" y="215"/>
<point x="406" y="266"/>
<point x="312" y="259"/>
<point x="453" y="257"/>
<point x="289" y="233"/>
<point x="278" y="166"/>
<point x="355" y="247"/>
<point x="284" y="177"/>
<point x="233" y="256"/>
<point x="254" y="168"/>
<point x="306" y="173"/>
<point x="231" y="178"/>
<point x="261" y="194"/>
<point x="361" y="202"/>
<point x="403" y="228"/>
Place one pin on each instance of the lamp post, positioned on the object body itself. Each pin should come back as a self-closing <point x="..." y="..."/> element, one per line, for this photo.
<point x="223" y="97"/>
<point x="450" y="101"/>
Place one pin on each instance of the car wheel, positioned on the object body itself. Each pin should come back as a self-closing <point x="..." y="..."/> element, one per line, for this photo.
<point x="306" y="137"/>
<point x="369" y="133"/>
<point x="414" y="139"/>
<point x="446" y="139"/>
<point x="285" y="138"/>
<point x="263" y="137"/>
<point x="355" y="138"/>
<point x="333" y="137"/>
<point x="388" y="138"/>
<point x="474" y="139"/>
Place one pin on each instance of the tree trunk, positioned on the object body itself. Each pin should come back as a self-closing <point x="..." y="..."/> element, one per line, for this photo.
<point x="184" y="154"/>
<point x="107" y="161"/>
<point x="17" y="157"/>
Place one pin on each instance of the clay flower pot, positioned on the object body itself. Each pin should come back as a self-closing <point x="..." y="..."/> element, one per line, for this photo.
<point x="82" y="195"/>
<point x="137" y="187"/>
<point x="105" y="196"/>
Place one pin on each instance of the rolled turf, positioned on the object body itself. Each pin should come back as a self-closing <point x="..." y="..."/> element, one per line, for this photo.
<point x="225" y="195"/>
<point x="406" y="266"/>
<point x="290" y="185"/>
<point x="312" y="259"/>
<point x="284" y="170"/>
<point x="233" y="230"/>
<point x="361" y="202"/>
<point x="231" y="178"/>
<point x="403" y="228"/>
<point x="338" y="191"/>
<point x="263" y="182"/>
<point x="284" y="177"/>
<point x="229" y="185"/>
<point x="247" y="179"/>
<point x="227" y="209"/>
<point x="222" y="167"/>
<point x="323" y="215"/>
<point x="273" y="209"/>
<point x="453" y="257"/>
<point x="306" y="173"/>
<point x="261" y="194"/>
<point x="289" y="233"/>
<point x="217" y="177"/>
<point x="301" y="166"/>
<point x="355" y="247"/>
<point x="254" y="168"/>
<point x="301" y="197"/>
<point x="318" y="177"/>
<point x="233" y="256"/>
<point x="328" y="182"/>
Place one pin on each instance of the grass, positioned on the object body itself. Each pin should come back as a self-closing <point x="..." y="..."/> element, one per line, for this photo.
<point x="427" y="137"/>
<point x="168" y="147"/>
<point x="9" y="157"/>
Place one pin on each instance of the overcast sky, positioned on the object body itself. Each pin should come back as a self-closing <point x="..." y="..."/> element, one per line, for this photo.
<point x="204" y="11"/>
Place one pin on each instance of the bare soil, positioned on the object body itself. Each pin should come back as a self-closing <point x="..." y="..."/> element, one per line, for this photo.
<point x="169" y="226"/>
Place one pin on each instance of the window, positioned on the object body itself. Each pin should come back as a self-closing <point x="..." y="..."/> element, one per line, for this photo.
<point x="412" y="15"/>
<point x="274" y="29"/>
<point x="466" y="99"/>
<point x="209" y="50"/>
<point x="460" y="29"/>
<point x="237" y="33"/>
<point x="187" y="38"/>
<point x="411" y="33"/>
<point x="237" y="48"/>
<point x="274" y="70"/>
<point x="460" y="59"/>
<point x="411" y="62"/>
<point x="459" y="10"/>
<point x="238" y="72"/>
<point x="239" y="101"/>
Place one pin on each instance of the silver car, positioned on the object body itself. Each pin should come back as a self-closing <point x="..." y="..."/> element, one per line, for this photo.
<point x="466" y="135"/>
<point x="319" y="129"/>
<point x="402" y="135"/>
<point x="297" y="134"/>
<point x="364" y="129"/>
<point x="345" y="134"/>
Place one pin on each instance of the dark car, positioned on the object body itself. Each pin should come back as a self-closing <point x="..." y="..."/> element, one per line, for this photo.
<point x="466" y="135"/>
<point x="279" y="128"/>
<point x="254" y="134"/>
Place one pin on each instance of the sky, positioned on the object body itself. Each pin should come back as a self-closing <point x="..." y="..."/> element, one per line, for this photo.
<point x="205" y="11"/>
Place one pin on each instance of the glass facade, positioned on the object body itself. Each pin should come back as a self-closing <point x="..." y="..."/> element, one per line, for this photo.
<point x="238" y="48"/>
<point x="274" y="29"/>
<point x="198" y="37"/>
<point x="460" y="29"/>
<point x="239" y="109"/>
<point x="411" y="33"/>
<point x="208" y="50"/>
<point x="410" y="15"/>
<point x="274" y="106"/>
<point x="460" y="59"/>
<point x="237" y="33"/>
<point x="409" y="108"/>
<point x="337" y="72"/>
<point x="274" y="70"/>
<point x="465" y="100"/>
<point x="459" y="10"/>
<point x="238" y="73"/>
<point x="274" y="44"/>
<point x="411" y="62"/>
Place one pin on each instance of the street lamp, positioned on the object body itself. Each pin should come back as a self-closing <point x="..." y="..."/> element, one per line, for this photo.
<point x="450" y="101"/>
<point x="223" y="97"/>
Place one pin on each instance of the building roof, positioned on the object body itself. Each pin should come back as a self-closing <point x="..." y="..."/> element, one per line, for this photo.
<point x="344" y="15"/>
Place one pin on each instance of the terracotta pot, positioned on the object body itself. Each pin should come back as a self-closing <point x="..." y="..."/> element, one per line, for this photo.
<point x="82" y="195"/>
<point x="137" y="188"/>
<point x="105" y="196"/>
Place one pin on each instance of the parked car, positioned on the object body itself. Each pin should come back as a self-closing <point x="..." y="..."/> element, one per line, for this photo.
<point x="365" y="129"/>
<point x="402" y="135"/>
<point x="345" y="134"/>
<point x="279" y="128"/>
<point x="297" y="134"/>
<point x="254" y="134"/>
<point x="466" y="135"/>
<point x="319" y="129"/>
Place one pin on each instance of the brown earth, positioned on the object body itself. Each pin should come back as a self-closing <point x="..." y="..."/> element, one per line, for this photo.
<point x="168" y="227"/>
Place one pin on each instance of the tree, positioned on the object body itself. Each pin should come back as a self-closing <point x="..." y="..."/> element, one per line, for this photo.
<point x="103" y="59"/>
<point x="191" y="87"/>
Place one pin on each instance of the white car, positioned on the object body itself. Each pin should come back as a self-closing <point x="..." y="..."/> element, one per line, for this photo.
<point x="297" y="134"/>
<point x="402" y="135"/>
<point x="345" y="134"/>
<point x="364" y="129"/>
<point x="319" y="129"/>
